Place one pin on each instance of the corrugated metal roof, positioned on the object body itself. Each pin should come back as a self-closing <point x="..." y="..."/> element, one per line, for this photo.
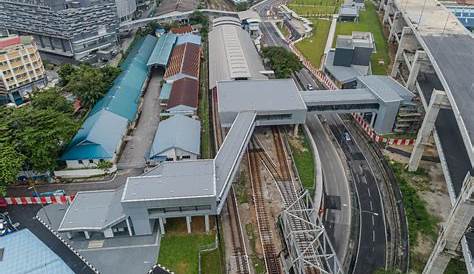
<point x="165" y="91"/>
<point x="185" y="60"/>
<point x="177" y="131"/>
<point x="25" y="253"/>
<point x="185" y="92"/>
<point x="182" y="29"/>
<point x="98" y="137"/>
<point x="233" y="55"/>
<point x="99" y="141"/>
<point x="93" y="210"/>
<point x="181" y="179"/>
<point x="162" y="51"/>
<point x="259" y="95"/>
<point x="189" y="38"/>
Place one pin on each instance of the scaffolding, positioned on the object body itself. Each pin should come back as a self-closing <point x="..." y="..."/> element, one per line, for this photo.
<point x="309" y="247"/>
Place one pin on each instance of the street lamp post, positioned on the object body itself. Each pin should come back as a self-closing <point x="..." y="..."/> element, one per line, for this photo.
<point x="42" y="206"/>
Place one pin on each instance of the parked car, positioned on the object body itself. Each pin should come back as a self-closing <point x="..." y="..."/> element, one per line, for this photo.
<point x="6" y="226"/>
<point x="58" y="192"/>
<point x="347" y="136"/>
<point x="309" y="87"/>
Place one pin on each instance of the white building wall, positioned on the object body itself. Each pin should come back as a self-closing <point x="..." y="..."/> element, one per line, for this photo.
<point x="125" y="9"/>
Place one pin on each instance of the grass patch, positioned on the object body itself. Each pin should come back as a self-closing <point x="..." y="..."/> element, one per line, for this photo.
<point x="203" y="110"/>
<point x="283" y="29"/>
<point x="211" y="262"/>
<point x="369" y="21"/>
<point x="456" y="267"/>
<point x="179" y="252"/>
<point x="258" y="263"/>
<point x="241" y="188"/>
<point x="313" y="10"/>
<point x="421" y="224"/>
<point x="304" y="161"/>
<point x="313" y="47"/>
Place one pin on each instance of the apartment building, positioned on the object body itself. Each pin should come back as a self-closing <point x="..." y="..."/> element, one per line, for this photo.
<point x="63" y="28"/>
<point x="21" y="68"/>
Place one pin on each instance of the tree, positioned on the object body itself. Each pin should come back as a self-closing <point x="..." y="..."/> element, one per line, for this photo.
<point x="11" y="163"/>
<point x="282" y="61"/>
<point x="109" y="73"/>
<point x="241" y="6"/>
<point x="87" y="84"/>
<point x="105" y="166"/>
<point x="51" y="98"/>
<point x="65" y="72"/>
<point x="38" y="134"/>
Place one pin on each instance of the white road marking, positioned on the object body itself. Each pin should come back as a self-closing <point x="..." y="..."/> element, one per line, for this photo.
<point x="373" y="235"/>
<point x="368" y="191"/>
<point x="371" y="206"/>
<point x="373" y="220"/>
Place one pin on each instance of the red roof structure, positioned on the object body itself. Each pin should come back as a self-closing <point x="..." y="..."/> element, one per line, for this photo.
<point x="182" y="30"/>
<point x="9" y="41"/>
<point x="184" y="60"/>
<point x="185" y="91"/>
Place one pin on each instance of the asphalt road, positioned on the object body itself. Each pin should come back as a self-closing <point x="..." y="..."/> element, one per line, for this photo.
<point x="25" y="216"/>
<point x="372" y="233"/>
<point x="337" y="218"/>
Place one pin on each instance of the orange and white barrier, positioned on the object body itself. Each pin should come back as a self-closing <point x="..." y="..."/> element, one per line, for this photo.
<point x="64" y="199"/>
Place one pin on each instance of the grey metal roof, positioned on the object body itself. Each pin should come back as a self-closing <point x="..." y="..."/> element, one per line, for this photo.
<point x="162" y="50"/>
<point x="172" y="180"/>
<point x="178" y="131"/>
<point x="340" y="96"/>
<point x="233" y="55"/>
<point x="386" y="88"/>
<point x="348" y="11"/>
<point x="226" y="20"/>
<point x="259" y="95"/>
<point x="93" y="210"/>
<point x="234" y="143"/>
<point x="341" y="73"/>
<point x="454" y="56"/>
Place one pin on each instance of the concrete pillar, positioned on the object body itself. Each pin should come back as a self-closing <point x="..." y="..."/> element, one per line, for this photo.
<point x="406" y="33"/>
<point x="420" y="56"/>
<point x="86" y="234"/>
<point x="108" y="233"/>
<point x="69" y="235"/>
<point x="386" y="13"/>
<point x="394" y="27"/>
<point x="295" y="130"/>
<point x="456" y="225"/>
<point x="206" y="222"/>
<point x="162" y="225"/>
<point x="188" y="223"/>
<point x="372" y="119"/>
<point x="129" y="227"/>
<point x="438" y="100"/>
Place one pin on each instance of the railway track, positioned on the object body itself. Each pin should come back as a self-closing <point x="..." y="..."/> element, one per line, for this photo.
<point x="282" y="175"/>
<point x="239" y="262"/>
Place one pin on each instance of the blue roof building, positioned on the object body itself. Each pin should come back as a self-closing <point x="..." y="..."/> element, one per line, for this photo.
<point x="162" y="50"/>
<point x="188" y="38"/>
<point x="465" y="14"/>
<point x="98" y="137"/>
<point x="23" y="253"/>
<point x="177" y="138"/>
<point x="101" y="134"/>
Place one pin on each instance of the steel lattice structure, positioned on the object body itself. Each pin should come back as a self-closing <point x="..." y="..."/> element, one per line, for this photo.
<point x="308" y="244"/>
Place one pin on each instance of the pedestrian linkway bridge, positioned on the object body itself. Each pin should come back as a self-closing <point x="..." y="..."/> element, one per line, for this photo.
<point x="200" y="187"/>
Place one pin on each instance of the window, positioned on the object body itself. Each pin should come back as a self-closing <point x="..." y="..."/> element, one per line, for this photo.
<point x="186" y="157"/>
<point x="101" y="160"/>
<point x="274" y="117"/>
<point x="91" y="161"/>
<point x="80" y="162"/>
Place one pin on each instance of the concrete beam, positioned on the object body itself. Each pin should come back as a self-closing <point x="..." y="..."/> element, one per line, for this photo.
<point x="454" y="229"/>
<point x="395" y="26"/>
<point x="438" y="99"/>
